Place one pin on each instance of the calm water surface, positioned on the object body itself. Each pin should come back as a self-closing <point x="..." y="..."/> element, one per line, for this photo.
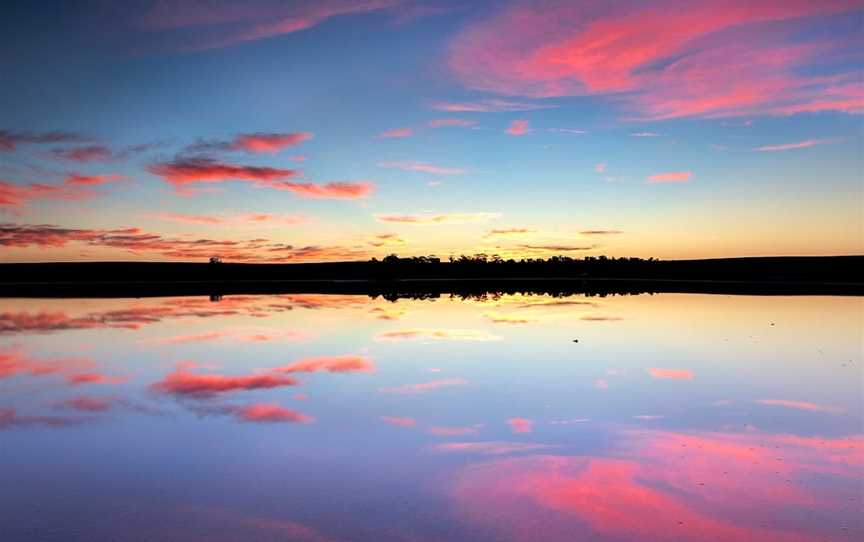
<point x="342" y="418"/>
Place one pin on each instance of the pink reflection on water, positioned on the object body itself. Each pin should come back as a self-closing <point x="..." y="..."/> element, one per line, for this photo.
<point x="673" y="486"/>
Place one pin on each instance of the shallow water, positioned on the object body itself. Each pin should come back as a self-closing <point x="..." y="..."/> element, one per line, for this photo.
<point x="345" y="418"/>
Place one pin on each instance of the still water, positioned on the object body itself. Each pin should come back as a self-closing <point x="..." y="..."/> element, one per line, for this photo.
<point x="517" y="418"/>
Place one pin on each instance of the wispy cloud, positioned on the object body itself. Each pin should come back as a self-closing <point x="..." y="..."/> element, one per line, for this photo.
<point x="422" y="167"/>
<point x="258" y="143"/>
<point x="436" y="334"/>
<point x="800" y="405"/>
<point x="441" y="123"/>
<point x="792" y="146"/>
<point x="489" y="106"/>
<point x="396" y="133"/>
<point x="673" y="374"/>
<point x="518" y="128"/>
<point x="508" y="232"/>
<point x="10" y="139"/>
<point x="670" y="177"/>
<point x="645" y="134"/>
<point x="424" y="387"/>
<point x="600" y="232"/>
<point x="448" y="218"/>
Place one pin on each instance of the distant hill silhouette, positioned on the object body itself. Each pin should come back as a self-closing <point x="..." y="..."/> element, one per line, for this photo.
<point x="396" y="276"/>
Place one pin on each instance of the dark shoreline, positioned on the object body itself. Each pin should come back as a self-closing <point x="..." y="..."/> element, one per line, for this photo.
<point x="425" y="288"/>
<point x="423" y="278"/>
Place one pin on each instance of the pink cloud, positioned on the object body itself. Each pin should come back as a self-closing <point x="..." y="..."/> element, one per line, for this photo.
<point x="423" y="167"/>
<point x="401" y="422"/>
<point x="268" y="143"/>
<point x="664" y="60"/>
<point x="792" y="146"/>
<point x="79" y="379"/>
<point x="670" y="177"/>
<point x="425" y="386"/>
<point x="674" y="374"/>
<point x="270" y="413"/>
<point x="184" y="383"/>
<point x="449" y="218"/>
<point x="800" y="405"/>
<point x="92" y="153"/>
<point x="518" y="128"/>
<point x="396" y="133"/>
<point x="440" y="123"/>
<point x="334" y="190"/>
<point x="90" y="180"/>
<point x="220" y="23"/>
<point x="451" y="431"/>
<point x="9" y="419"/>
<point x="9" y="140"/>
<point x="521" y="425"/>
<point x="489" y="447"/>
<point x="15" y="195"/>
<point x="184" y="171"/>
<point x="488" y="106"/>
<point x="330" y="364"/>
<point x="248" y="218"/>
<point x="90" y="404"/>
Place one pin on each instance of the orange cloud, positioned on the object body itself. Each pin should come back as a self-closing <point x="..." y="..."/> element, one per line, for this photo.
<point x="600" y="232"/>
<point x="449" y="218"/>
<point x="521" y="425"/>
<point x="396" y="133"/>
<point x="670" y="177"/>
<point x="674" y="374"/>
<point x="425" y="386"/>
<point x="508" y="232"/>
<point x="518" y="128"/>
<point x="248" y="218"/>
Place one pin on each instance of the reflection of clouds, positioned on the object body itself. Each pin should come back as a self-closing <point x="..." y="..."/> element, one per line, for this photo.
<point x="425" y="386"/>
<point x="330" y="364"/>
<point x="76" y="371"/>
<point x="672" y="374"/>
<point x="399" y="421"/>
<point x="521" y="425"/>
<point x="134" y="314"/>
<point x="436" y="334"/>
<point x="185" y="383"/>
<point x="253" y="413"/>
<point x="387" y="313"/>
<point x="800" y="405"/>
<point x="508" y="318"/>
<point x="10" y="419"/>
<point x="671" y="486"/>
<point x="490" y="447"/>
<point x="451" y="431"/>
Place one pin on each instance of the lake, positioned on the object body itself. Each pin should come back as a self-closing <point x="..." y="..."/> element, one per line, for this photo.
<point x="514" y="418"/>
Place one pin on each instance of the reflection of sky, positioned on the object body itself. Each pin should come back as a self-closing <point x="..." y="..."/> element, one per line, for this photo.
<point x="302" y="417"/>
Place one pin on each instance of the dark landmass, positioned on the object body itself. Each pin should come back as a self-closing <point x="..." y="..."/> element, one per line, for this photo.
<point x="429" y="277"/>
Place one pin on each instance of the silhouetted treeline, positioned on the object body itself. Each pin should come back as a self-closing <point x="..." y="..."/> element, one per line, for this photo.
<point x="429" y="275"/>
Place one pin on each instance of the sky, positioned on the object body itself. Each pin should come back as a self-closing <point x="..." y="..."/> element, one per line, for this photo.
<point x="277" y="131"/>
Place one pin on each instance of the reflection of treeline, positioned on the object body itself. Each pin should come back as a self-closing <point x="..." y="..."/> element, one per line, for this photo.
<point x="429" y="276"/>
